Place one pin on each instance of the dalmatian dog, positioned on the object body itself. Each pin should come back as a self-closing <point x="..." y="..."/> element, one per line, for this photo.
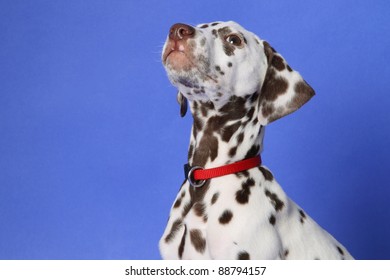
<point x="235" y="84"/>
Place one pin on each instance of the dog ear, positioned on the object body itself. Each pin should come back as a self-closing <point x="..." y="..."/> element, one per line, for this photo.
<point x="183" y="104"/>
<point x="283" y="90"/>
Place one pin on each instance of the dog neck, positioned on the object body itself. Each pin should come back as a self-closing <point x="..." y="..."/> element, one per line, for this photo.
<point x="226" y="134"/>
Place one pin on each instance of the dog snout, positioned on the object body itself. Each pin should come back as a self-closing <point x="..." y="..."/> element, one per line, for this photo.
<point x="181" y="31"/>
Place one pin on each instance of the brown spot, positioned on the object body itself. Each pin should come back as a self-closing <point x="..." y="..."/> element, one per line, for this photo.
<point x="186" y="82"/>
<point x="194" y="131"/>
<point x="253" y="151"/>
<point x="204" y="109"/>
<point x="278" y="62"/>
<point x="186" y="209"/>
<point x="276" y="202"/>
<point x="195" y="108"/>
<point x="215" y="23"/>
<point x="228" y="132"/>
<point x="199" y="209"/>
<point x="340" y="250"/>
<point x="214" y="198"/>
<point x="303" y="93"/>
<point x="204" y="26"/>
<point x="240" y="138"/>
<point x="234" y="109"/>
<point x="208" y="144"/>
<point x="283" y="255"/>
<point x="245" y="40"/>
<point x="233" y="151"/>
<point x="303" y="216"/>
<point x="267" y="109"/>
<point x="250" y="113"/>
<point x="248" y="183"/>
<point x="278" y="114"/>
<point x="230" y="64"/>
<point x="227" y="47"/>
<point x="273" y="86"/>
<point x="272" y="220"/>
<point x="197" y="240"/>
<point x="208" y="149"/>
<point x="269" y="51"/>
<point x="266" y="173"/>
<point x="174" y="229"/>
<point x="190" y="151"/>
<point x="242" y="195"/>
<point x="182" y="243"/>
<point x="214" y="148"/>
<point x="198" y="125"/>
<point x="243" y="255"/>
<point x="226" y="217"/>
<point x="177" y="203"/>
<point x="244" y="173"/>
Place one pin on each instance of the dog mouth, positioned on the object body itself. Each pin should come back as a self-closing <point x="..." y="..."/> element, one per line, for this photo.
<point x="179" y="61"/>
<point x="167" y="54"/>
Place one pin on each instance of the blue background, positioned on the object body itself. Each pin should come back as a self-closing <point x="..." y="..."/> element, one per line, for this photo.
<point x="92" y="145"/>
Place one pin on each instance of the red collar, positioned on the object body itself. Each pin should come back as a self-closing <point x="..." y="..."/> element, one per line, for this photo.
<point x="197" y="175"/>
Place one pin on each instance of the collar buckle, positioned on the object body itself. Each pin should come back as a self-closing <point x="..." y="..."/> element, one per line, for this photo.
<point x="189" y="175"/>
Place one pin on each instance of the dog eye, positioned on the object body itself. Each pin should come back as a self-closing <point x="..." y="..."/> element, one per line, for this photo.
<point x="234" y="40"/>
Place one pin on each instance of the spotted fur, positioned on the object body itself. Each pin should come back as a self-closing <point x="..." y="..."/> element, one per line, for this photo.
<point x="235" y="84"/>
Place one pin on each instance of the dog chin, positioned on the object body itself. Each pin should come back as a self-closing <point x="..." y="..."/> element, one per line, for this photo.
<point x="178" y="61"/>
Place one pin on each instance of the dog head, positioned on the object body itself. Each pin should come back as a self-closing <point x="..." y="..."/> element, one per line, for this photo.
<point x="214" y="62"/>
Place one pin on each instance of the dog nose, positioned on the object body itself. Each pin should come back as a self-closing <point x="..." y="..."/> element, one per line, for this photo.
<point x="181" y="31"/>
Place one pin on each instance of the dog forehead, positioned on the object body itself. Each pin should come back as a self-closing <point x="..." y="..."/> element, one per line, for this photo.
<point x="232" y="25"/>
<point x="226" y="28"/>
